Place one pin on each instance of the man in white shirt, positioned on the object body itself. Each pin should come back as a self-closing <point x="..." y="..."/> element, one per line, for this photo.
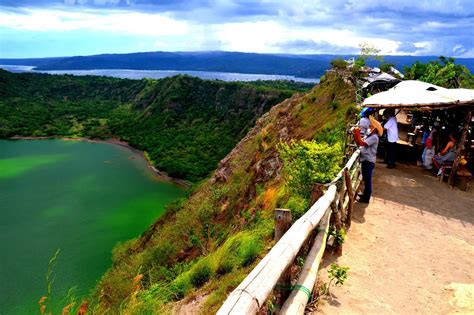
<point x="392" y="137"/>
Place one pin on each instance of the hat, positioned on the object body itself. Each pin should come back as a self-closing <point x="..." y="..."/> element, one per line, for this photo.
<point x="366" y="111"/>
<point x="376" y="125"/>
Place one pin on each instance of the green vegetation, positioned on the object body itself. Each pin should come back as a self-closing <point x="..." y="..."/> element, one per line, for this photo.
<point x="443" y="72"/>
<point x="339" y="63"/>
<point x="307" y="163"/>
<point x="339" y="235"/>
<point x="368" y="51"/>
<point x="48" y="305"/>
<point x="386" y="67"/>
<point x="185" y="124"/>
<point x="205" y="245"/>
<point x="282" y="85"/>
<point x="336" y="274"/>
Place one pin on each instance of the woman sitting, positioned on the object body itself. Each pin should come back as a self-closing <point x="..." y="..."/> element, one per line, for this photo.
<point x="448" y="154"/>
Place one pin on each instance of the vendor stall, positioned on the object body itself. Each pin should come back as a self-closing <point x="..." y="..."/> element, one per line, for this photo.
<point x="435" y="107"/>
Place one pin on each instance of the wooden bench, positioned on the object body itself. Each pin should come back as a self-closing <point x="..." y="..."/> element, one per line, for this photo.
<point x="462" y="175"/>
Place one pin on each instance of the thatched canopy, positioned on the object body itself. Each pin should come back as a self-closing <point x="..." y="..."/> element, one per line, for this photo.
<point x="420" y="95"/>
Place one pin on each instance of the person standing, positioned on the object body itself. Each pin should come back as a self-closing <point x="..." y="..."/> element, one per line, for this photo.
<point x="364" y="122"/>
<point x="368" y="151"/>
<point x="392" y="137"/>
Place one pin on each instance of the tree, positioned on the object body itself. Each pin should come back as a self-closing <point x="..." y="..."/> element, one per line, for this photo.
<point x="368" y="51"/>
<point x="386" y="67"/>
<point x="443" y="72"/>
<point x="339" y="63"/>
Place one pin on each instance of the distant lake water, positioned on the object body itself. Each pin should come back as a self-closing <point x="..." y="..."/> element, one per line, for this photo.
<point x="79" y="197"/>
<point x="159" y="74"/>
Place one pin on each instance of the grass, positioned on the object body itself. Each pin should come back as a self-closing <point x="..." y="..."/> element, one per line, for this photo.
<point x="208" y="243"/>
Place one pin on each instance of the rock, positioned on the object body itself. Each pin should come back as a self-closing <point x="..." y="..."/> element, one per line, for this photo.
<point x="283" y="133"/>
<point x="221" y="175"/>
<point x="267" y="168"/>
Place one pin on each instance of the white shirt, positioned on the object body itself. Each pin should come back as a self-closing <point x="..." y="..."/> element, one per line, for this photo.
<point x="392" y="129"/>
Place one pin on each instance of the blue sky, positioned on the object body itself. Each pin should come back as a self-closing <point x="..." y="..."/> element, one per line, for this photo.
<point x="49" y="28"/>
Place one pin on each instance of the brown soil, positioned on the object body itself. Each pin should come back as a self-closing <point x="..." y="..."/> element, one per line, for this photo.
<point x="410" y="251"/>
<point x="191" y="306"/>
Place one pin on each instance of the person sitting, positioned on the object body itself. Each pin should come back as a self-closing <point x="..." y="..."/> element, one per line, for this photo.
<point x="368" y="150"/>
<point x="448" y="154"/>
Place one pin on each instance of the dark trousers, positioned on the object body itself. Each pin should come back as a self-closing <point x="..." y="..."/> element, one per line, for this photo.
<point x="390" y="153"/>
<point x="367" y="170"/>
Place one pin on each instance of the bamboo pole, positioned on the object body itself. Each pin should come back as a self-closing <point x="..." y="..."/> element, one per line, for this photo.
<point x="250" y="295"/>
<point x="342" y="195"/>
<point x="298" y="299"/>
<point x="253" y="291"/>
<point x="351" y="197"/>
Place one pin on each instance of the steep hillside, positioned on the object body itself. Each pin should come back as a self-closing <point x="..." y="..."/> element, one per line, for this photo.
<point x="206" y="244"/>
<point x="185" y="124"/>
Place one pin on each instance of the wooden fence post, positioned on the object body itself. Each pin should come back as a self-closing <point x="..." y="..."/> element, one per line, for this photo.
<point x="336" y="219"/>
<point x="461" y="148"/>
<point x="282" y="219"/>
<point x="347" y="177"/>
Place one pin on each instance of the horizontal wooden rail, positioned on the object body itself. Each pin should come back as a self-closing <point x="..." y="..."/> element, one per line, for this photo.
<point x="254" y="290"/>
<point x="250" y="295"/>
<point x="298" y="299"/>
<point x="348" y="165"/>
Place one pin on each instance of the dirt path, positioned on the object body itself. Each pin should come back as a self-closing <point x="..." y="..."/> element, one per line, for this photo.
<point x="410" y="251"/>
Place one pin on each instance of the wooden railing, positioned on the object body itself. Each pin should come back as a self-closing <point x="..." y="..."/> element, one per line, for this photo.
<point x="255" y="289"/>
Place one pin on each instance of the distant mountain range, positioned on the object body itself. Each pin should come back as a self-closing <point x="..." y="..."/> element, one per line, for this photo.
<point x="305" y="66"/>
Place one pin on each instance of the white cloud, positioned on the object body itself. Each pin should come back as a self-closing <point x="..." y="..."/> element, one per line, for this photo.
<point x="115" y="21"/>
<point x="160" y="44"/>
<point x="266" y="26"/>
<point x="249" y="36"/>
<point x="267" y="36"/>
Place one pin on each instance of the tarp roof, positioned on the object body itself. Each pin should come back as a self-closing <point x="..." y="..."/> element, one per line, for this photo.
<point x="421" y="95"/>
<point x="383" y="77"/>
<point x="380" y="78"/>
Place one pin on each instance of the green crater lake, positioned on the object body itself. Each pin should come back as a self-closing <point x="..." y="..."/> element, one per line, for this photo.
<point x="79" y="197"/>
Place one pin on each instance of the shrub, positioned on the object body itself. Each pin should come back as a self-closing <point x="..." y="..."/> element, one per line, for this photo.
<point x="249" y="250"/>
<point x="339" y="63"/>
<point x="386" y="67"/>
<point x="163" y="254"/>
<point x="200" y="274"/>
<point x="225" y="266"/>
<point x="334" y="105"/>
<point x="307" y="163"/>
<point x="298" y="206"/>
<point x="122" y="250"/>
<point x="181" y="285"/>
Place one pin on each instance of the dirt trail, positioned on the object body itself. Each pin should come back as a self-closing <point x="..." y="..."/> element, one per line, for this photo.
<point x="410" y="251"/>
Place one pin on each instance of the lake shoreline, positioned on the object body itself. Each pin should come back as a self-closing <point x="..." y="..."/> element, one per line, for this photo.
<point x="160" y="174"/>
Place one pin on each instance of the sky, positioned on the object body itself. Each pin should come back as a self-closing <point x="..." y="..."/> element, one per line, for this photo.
<point x="53" y="28"/>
